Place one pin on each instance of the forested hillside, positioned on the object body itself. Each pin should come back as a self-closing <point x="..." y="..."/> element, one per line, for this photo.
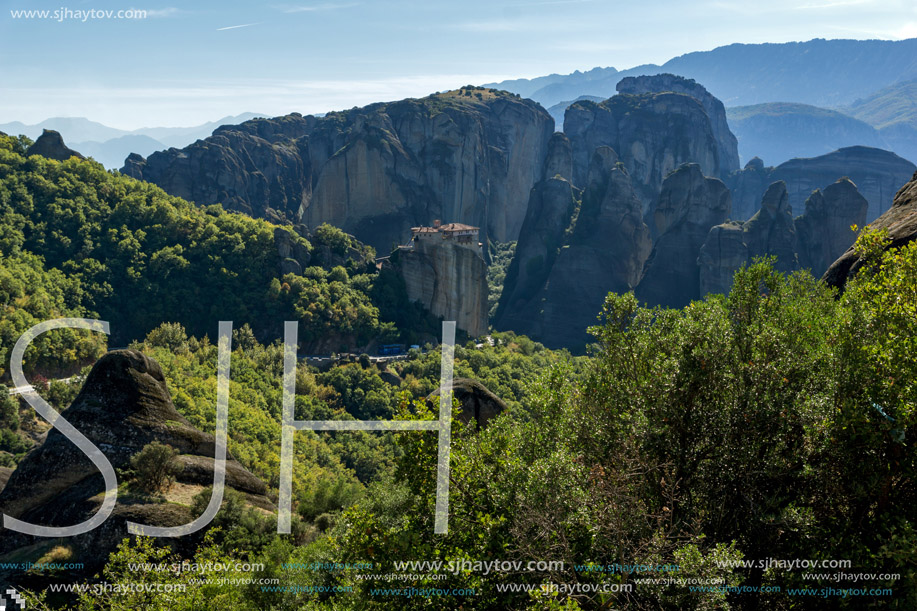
<point x="78" y="240"/>
<point x="773" y="423"/>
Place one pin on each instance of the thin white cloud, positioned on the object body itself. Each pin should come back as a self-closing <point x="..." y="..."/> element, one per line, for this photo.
<point x="549" y="2"/>
<point x="832" y="4"/>
<point x="234" y="27"/>
<point x="314" y="8"/>
<point x="585" y="46"/>
<point x="163" y="12"/>
<point x="865" y="32"/>
<point x="518" y="24"/>
<point x="500" y="25"/>
<point x="908" y="30"/>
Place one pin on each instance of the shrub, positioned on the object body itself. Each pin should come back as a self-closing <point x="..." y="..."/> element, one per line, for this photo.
<point x="9" y="412"/>
<point x="155" y="466"/>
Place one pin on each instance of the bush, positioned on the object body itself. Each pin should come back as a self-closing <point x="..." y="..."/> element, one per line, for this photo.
<point x="155" y="466"/>
<point x="170" y="335"/>
<point x="13" y="443"/>
<point x="9" y="412"/>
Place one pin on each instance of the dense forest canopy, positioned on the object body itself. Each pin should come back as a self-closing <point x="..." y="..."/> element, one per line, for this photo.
<point x="777" y="422"/>
<point x="80" y="241"/>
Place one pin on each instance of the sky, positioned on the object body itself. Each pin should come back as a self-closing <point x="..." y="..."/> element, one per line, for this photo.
<point x="186" y="62"/>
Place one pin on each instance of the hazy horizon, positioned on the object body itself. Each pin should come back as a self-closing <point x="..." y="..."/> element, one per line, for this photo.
<point x="187" y="66"/>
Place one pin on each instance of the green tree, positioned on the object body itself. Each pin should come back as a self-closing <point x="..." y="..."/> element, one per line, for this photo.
<point x="155" y="466"/>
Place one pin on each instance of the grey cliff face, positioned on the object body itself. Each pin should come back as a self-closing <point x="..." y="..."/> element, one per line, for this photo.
<point x="824" y="232"/>
<point x="723" y="253"/>
<point x="877" y="174"/>
<point x="448" y="279"/>
<point x="688" y="206"/>
<point x="771" y="230"/>
<point x="652" y="134"/>
<point x="809" y="241"/>
<point x="563" y="273"/>
<point x="559" y="160"/>
<point x="293" y="250"/>
<point x="551" y="206"/>
<point x="374" y="171"/>
<point x="900" y="221"/>
<point x="729" y="246"/>
<point x="257" y="168"/>
<point x="728" y="144"/>
<point x="748" y="186"/>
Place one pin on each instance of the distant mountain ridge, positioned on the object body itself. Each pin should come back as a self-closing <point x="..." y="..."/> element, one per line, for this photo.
<point x="894" y="104"/>
<point x="893" y="112"/>
<point x="818" y="72"/>
<point x="109" y="145"/>
<point x="780" y="131"/>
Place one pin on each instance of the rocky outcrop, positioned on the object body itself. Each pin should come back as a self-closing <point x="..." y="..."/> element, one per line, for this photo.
<point x="728" y="145"/>
<point x="900" y="221"/>
<point x="479" y="404"/>
<point x="559" y="160"/>
<point x="293" y="250"/>
<point x="551" y="207"/>
<point x="771" y="231"/>
<point x="877" y="174"/>
<point x="689" y="205"/>
<point x="5" y="473"/>
<point x="262" y="168"/>
<point x="729" y="246"/>
<point x="723" y="253"/>
<point x="809" y="241"/>
<point x="50" y="144"/>
<point x="824" y="231"/>
<point x="563" y="270"/>
<point x="652" y="133"/>
<point x="448" y="278"/>
<point x="124" y="405"/>
<point x="748" y="186"/>
<point x="471" y="156"/>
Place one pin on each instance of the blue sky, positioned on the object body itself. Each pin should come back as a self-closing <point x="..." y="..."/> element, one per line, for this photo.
<point x="194" y="61"/>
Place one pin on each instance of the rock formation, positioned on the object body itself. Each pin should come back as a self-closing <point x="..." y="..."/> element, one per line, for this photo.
<point x="447" y="277"/>
<point x="809" y="241"/>
<point x="748" y="186"/>
<point x="728" y="145"/>
<point x="563" y="270"/>
<point x="479" y="404"/>
<point x="689" y="205"/>
<point x="652" y="133"/>
<point x="900" y="221"/>
<point x="123" y="406"/>
<point x="771" y="231"/>
<point x="50" y="144"/>
<point x="471" y="156"/>
<point x="293" y="250"/>
<point x="877" y="174"/>
<point x="559" y="160"/>
<point x="261" y="167"/>
<point x="824" y="232"/>
<point x="551" y="207"/>
<point x="729" y="246"/>
<point x="723" y="253"/>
